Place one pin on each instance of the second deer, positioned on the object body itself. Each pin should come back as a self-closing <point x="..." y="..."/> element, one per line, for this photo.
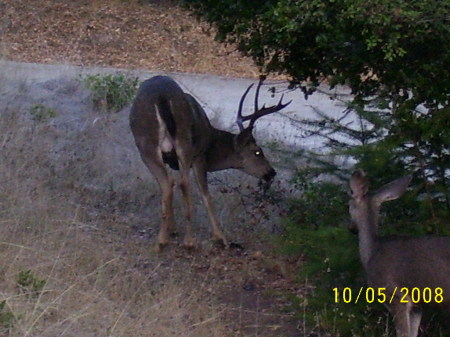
<point x="393" y="263"/>
<point x="170" y="127"/>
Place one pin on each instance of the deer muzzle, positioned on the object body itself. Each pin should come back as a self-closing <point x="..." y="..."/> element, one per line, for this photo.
<point x="267" y="180"/>
<point x="268" y="177"/>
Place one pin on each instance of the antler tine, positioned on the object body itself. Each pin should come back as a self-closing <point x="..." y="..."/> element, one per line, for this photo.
<point x="266" y="111"/>
<point x="260" y="83"/>
<point x="240" y="119"/>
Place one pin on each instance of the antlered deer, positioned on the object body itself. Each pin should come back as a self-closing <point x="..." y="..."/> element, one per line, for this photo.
<point x="398" y="265"/>
<point x="170" y="127"/>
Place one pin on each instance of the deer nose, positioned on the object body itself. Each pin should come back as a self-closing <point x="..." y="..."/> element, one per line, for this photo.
<point x="269" y="175"/>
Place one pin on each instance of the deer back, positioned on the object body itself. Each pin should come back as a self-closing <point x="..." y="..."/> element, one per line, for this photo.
<point x="202" y="130"/>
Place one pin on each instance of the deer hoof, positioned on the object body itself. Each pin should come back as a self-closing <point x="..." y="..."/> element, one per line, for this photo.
<point x="174" y="234"/>
<point x="190" y="245"/>
<point x="159" y="247"/>
<point x="220" y="243"/>
<point x="235" y="245"/>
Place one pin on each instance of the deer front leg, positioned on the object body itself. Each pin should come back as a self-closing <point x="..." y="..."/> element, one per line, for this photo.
<point x="406" y="322"/>
<point x="415" y="317"/>
<point x="201" y="175"/>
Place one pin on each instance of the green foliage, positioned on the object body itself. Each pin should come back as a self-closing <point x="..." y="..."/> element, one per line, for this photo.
<point x="366" y="44"/>
<point x="394" y="55"/>
<point x="388" y="146"/>
<point x="6" y="318"/>
<point x="322" y="203"/>
<point x="41" y="114"/>
<point x="111" y="92"/>
<point x="29" y="282"/>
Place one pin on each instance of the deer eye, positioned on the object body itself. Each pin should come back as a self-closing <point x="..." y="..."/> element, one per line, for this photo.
<point x="258" y="153"/>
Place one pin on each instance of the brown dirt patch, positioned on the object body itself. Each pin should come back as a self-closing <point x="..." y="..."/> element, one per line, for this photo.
<point x="120" y="34"/>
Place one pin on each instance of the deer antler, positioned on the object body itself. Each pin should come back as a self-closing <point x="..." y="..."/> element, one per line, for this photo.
<point x="258" y="112"/>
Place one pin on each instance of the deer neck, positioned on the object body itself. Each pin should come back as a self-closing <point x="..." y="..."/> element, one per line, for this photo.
<point x="221" y="153"/>
<point x="367" y="236"/>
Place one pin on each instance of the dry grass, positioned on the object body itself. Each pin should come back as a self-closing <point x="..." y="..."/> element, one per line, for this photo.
<point x="80" y="211"/>
<point x="93" y="283"/>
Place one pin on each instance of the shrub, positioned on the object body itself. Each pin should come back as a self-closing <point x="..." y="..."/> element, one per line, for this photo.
<point x="6" y="318"/>
<point x="29" y="282"/>
<point x="111" y="92"/>
<point x="41" y="114"/>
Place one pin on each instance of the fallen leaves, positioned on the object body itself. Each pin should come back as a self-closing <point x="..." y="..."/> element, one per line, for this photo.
<point x="115" y="34"/>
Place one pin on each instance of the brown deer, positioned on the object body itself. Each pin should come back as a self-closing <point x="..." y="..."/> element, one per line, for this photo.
<point x="170" y="127"/>
<point x="397" y="265"/>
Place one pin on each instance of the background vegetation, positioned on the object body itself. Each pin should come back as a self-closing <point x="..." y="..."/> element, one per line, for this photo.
<point x="395" y="57"/>
<point x="111" y="92"/>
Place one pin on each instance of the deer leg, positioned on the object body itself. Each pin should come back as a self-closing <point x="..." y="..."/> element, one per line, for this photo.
<point x="168" y="222"/>
<point x="200" y="174"/>
<point x="186" y="191"/>
<point x="415" y="318"/>
<point x="166" y="183"/>
<point x="402" y="320"/>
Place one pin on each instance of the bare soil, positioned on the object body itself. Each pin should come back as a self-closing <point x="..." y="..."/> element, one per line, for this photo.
<point x="250" y="282"/>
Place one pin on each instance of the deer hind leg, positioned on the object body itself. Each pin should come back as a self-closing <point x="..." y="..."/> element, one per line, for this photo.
<point x="200" y="174"/>
<point x="185" y="187"/>
<point x="166" y="183"/>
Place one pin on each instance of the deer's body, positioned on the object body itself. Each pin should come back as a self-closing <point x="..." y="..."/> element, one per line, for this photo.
<point x="175" y="118"/>
<point x="170" y="127"/>
<point x="399" y="262"/>
<point x="422" y="257"/>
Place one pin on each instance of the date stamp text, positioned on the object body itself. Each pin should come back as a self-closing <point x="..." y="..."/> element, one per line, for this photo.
<point x="383" y="295"/>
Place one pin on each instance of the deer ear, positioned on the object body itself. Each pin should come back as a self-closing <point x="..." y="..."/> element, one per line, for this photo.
<point x="245" y="137"/>
<point x="359" y="185"/>
<point x="392" y="190"/>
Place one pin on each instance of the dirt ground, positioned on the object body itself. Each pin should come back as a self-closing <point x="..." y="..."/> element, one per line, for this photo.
<point x="249" y="284"/>
<point x="156" y="35"/>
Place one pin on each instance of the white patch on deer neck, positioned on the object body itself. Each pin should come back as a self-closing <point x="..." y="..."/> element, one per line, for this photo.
<point x="165" y="141"/>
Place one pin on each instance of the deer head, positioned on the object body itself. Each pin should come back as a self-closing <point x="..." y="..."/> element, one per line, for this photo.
<point x="365" y="205"/>
<point x="253" y="159"/>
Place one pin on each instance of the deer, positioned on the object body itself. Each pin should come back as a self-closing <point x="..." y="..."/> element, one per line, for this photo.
<point x="170" y="128"/>
<point x="396" y="263"/>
